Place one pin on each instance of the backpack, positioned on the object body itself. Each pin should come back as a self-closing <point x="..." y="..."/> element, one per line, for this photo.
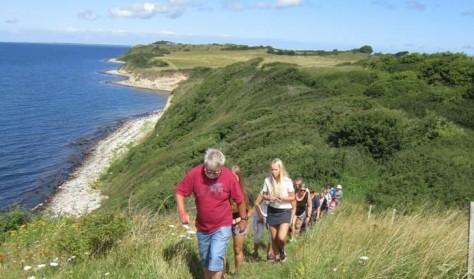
<point x="333" y="192"/>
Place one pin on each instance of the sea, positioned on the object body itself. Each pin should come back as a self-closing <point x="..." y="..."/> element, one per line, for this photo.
<point x="56" y="102"/>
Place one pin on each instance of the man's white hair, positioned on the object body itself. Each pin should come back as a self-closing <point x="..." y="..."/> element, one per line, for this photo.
<point x="214" y="158"/>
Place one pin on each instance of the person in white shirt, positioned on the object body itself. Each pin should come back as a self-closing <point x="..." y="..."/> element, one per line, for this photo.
<point x="279" y="191"/>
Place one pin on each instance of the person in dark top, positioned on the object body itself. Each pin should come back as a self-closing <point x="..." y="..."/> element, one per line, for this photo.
<point x="303" y="209"/>
<point x="316" y="209"/>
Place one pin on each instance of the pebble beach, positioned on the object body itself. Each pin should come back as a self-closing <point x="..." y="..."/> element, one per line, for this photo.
<point x="77" y="196"/>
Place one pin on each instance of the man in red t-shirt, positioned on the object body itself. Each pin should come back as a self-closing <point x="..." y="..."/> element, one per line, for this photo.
<point x="213" y="186"/>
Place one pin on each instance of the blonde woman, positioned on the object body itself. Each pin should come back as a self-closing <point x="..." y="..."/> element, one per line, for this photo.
<point x="279" y="191"/>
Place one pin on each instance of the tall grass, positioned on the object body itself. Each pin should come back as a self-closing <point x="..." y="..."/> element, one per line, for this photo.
<point x="347" y="244"/>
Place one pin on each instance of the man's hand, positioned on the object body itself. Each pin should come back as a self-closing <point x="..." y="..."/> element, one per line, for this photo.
<point x="184" y="218"/>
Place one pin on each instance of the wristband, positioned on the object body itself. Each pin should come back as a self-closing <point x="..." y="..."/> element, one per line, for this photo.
<point x="244" y="218"/>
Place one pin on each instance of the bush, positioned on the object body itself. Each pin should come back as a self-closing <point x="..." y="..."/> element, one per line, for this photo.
<point x="375" y="90"/>
<point x="12" y="220"/>
<point x="469" y="94"/>
<point x="437" y="174"/>
<point x="379" y="132"/>
<point x="92" y="235"/>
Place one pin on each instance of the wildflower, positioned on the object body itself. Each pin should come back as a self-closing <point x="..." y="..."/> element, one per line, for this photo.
<point x="31" y="277"/>
<point x="189" y="238"/>
<point x="171" y="226"/>
<point x="191" y="232"/>
<point x="363" y="259"/>
<point x="107" y="273"/>
<point x="26" y="267"/>
<point x="186" y="227"/>
<point x="182" y="236"/>
<point x="40" y="266"/>
<point x="53" y="264"/>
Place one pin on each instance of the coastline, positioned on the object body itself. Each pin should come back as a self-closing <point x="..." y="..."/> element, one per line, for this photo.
<point x="76" y="196"/>
<point x="161" y="83"/>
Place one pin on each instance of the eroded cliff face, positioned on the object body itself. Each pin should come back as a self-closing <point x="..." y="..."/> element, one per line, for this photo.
<point x="163" y="82"/>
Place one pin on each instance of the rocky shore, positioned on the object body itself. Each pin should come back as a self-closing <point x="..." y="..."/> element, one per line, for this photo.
<point x="77" y="195"/>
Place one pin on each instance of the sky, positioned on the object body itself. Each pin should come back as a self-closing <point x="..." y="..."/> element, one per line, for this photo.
<point x="388" y="26"/>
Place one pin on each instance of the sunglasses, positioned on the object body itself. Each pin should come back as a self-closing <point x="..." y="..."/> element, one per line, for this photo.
<point x="213" y="172"/>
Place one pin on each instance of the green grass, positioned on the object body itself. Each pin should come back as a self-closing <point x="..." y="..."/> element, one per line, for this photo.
<point x="422" y="245"/>
<point x="216" y="57"/>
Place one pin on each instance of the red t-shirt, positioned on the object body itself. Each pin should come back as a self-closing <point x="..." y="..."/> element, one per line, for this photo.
<point x="212" y="197"/>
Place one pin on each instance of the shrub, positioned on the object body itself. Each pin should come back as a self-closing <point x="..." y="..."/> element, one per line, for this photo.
<point x="469" y="94"/>
<point x="375" y="90"/>
<point x="12" y="220"/>
<point x="379" y="132"/>
<point x="92" y="235"/>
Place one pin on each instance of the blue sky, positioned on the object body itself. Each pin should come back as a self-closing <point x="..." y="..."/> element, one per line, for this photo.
<point x="389" y="26"/>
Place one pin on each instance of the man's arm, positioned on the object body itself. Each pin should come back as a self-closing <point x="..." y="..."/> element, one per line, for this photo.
<point x="183" y="215"/>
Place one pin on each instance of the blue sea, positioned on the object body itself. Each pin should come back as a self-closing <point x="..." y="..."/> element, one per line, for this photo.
<point x="55" y="103"/>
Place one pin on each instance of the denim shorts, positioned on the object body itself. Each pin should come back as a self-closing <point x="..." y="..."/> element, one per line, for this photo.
<point x="212" y="248"/>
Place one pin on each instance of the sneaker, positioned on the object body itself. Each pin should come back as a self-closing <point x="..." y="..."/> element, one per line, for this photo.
<point x="270" y="257"/>
<point x="282" y="255"/>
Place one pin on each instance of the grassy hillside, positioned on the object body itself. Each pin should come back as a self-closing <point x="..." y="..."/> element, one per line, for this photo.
<point x="395" y="130"/>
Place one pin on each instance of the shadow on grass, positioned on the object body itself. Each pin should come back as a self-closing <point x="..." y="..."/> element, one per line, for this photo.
<point x="185" y="250"/>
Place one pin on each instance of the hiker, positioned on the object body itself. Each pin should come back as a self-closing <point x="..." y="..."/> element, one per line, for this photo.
<point x="298" y="182"/>
<point x="213" y="186"/>
<point x="338" y="195"/>
<point x="259" y="225"/>
<point x="324" y="206"/>
<point x="278" y="190"/>
<point x="303" y="210"/>
<point x="238" y="236"/>
<point x="316" y="208"/>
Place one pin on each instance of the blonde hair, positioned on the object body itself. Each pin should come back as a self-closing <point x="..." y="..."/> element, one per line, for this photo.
<point x="277" y="183"/>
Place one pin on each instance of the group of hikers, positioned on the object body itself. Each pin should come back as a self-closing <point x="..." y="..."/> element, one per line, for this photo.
<point x="283" y="208"/>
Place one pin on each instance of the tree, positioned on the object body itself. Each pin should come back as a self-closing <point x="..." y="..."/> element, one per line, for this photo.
<point x="366" y="49"/>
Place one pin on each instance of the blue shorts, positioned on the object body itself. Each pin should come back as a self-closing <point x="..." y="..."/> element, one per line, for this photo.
<point x="212" y="248"/>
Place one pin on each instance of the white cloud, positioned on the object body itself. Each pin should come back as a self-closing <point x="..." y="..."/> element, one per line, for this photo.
<point x="142" y="10"/>
<point x="239" y="5"/>
<point x="236" y="5"/>
<point x="87" y="15"/>
<point x="468" y="12"/>
<point x="415" y="5"/>
<point x="172" y="8"/>
<point x="469" y="47"/>
<point x="385" y="4"/>
<point x="288" y="3"/>
<point x="12" y="20"/>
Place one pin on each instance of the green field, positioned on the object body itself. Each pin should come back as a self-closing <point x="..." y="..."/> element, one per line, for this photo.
<point x="191" y="56"/>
